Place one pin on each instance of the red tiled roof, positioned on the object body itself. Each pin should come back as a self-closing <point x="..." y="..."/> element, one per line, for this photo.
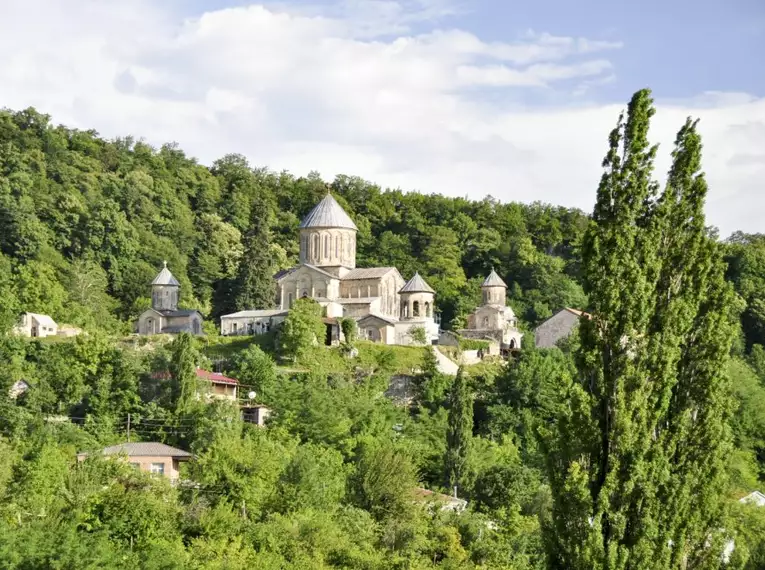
<point x="214" y="377"/>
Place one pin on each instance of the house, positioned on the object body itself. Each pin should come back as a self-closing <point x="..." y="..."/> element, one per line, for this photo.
<point x="221" y="387"/>
<point x="17" y="389"/>
<point x="327" y="273"/>
<point x="164" y="317"/>
<point x="36" y="325"/>
<point x="218" y="385"/>
<point x="557" y="327"/>
<point x="444" y="502"/>
<point x="256" y="414"/>
<point x="151" y="457"/>
<point x="251" y="322"/>
<point x="755" y="498"/>
<point x="494" y="320"/>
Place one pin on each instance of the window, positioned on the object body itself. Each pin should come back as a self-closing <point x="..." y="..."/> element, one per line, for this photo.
<point x="337" y="246"/>
<point x="427" y="309"/>
<point x="486" y="322"/>
<point x="315" y="246"/>
<point x="326" y="246"/>
<point x="157" y="468"/>
<point x="416" y="309"/>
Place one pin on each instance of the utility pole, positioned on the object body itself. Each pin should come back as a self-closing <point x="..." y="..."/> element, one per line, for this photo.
<point x="128" y="428"/>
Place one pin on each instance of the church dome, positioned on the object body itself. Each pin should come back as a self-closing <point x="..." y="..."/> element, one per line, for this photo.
<point x="494" y="280"/>
<point x="164" y="277"/>
<point x="328" y="214"/>
<point x="416" y="285"/>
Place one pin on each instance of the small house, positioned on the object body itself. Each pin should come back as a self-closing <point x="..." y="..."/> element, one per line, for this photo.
<point x="36" y="325"/>
<point x="220" y="386"/>
<point x="151" y="457"/>
<point x="557" y="327"/>
<point x="443" y="502"/>
<point x="256" y="414"/>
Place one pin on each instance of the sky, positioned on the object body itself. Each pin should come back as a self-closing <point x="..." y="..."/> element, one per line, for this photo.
<point x="487" y="97"/>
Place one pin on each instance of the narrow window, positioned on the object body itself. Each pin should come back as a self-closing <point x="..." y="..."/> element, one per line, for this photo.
<point x="326" y="246"/>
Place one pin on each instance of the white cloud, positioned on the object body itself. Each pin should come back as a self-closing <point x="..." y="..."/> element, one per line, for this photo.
<point x="331" y="91"/>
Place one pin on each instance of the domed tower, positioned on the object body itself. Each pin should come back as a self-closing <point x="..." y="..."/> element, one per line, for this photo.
<point x="165" y="290"/>
<point x="328" y="238"/>
<point x="417" y="299"/>
<point x="494" y="290"/>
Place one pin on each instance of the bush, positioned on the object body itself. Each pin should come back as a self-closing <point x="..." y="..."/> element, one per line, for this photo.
<point x="474" y="344"/>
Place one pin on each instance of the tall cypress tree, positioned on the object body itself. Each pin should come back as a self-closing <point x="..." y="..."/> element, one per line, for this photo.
<point x="183" y="369"/>
<point x="637" y="462"/>
<point x="459" y="432"/>
<point x="254" y="287"/>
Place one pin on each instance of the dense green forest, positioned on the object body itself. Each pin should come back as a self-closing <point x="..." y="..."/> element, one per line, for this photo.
<point x="85" y="224"/>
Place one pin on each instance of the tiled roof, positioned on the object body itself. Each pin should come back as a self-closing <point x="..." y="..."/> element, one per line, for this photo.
<point x="493" y="280"/>
<point x="215" y="377"/>
<point x="416" y="285"/>
<point x="285" y="272"/>
<point x="145" y="448"/>
<point x="378" y="317"/>
<point x="328" y="214"/>
<point x="367" y="273"/>
<point x="356" y="300"/>
<point x="164" y="277"/>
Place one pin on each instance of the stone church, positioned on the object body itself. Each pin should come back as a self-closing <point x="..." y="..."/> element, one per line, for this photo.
<point x="494" y="320"/>
<point x="164" y="317"/>
<point x="386" y="306"/>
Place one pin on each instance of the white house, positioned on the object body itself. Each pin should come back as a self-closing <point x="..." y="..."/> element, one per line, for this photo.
<point x="36" y="325"/>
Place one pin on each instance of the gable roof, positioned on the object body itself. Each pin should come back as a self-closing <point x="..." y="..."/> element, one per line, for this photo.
<point x="164" y="277"/>
<point x="367" y="273"/>
<point x="328" y="214"/>
<point x="372" y="316"/>
<point x="755" y="497"/>
<point x="215" y="377"/>
<point x="416" y="285"/>
<point x="577" y="312"/>
<point x="493" y="280"/>
<point x="44" y="320"/>
<point x="284" y="273"/>
<point x="256" y="313"/>
<point x="145" y="448"/>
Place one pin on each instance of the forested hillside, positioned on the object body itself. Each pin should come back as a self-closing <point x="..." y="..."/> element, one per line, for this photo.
<point x="331" y="481"/>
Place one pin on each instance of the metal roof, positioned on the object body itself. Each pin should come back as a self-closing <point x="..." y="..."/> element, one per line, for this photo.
<point x="367" y="273"/>
<point x="44" y="320"/>
<point x="416" y="285"/>
<point x="255" y="313"/>
<point x="145" y="448"/>
<point x="164" y="277"/>
<point x="494" y="280"/>
<point x="328" y="214"/>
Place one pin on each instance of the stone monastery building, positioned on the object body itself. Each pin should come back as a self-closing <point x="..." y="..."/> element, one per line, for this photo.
<point x="385" y="305"/>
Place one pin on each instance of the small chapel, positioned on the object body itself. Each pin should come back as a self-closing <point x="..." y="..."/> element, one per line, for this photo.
<point x="386" y="306"/>
<point x="494" y="319"/>
<point x="164" y="317"/>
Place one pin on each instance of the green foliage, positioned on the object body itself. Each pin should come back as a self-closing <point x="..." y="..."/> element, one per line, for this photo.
<point x="302" y="330"/>
<point x="474" y="344"/>
<point x="183" y="369"/>
<point x="418" y="335"/>
<point x="459" y="434"/>
<point x="350" y="330"/>
<point x="636" y="461"/>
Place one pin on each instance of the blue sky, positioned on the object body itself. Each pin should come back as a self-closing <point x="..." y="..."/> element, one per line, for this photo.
<point x="488" y="97"/>
<point x="678" y="48"/>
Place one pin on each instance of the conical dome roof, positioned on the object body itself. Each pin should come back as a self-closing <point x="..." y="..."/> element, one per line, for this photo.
<point x="164" y="277"/>
<point x="416" y="285"/>
<point x="494" y="280"/>
<point x="328" y="214"/>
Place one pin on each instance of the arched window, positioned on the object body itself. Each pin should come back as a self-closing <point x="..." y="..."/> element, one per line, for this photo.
<point x="326" y="246"/>
<point x="486" y="322"/>
<point x="427" y="309"/>
<point x="337" y="246"/>
<point x="315" y="246"/>
<point x="289" y="300"/>
<point x="416" y="309"/>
